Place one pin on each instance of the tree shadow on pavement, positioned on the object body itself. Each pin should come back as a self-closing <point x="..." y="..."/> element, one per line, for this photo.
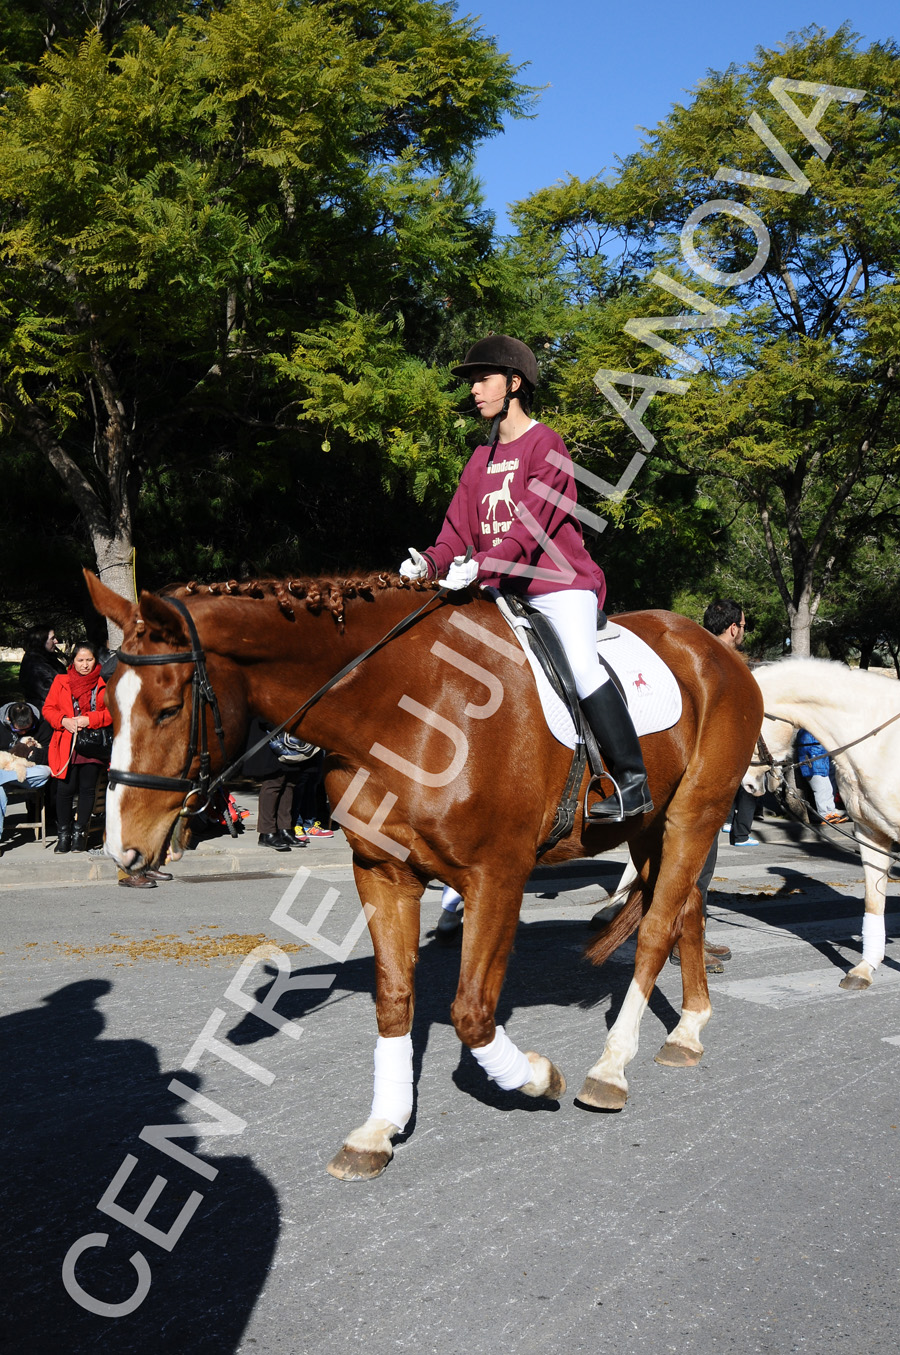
<point x="74" y="1105"/>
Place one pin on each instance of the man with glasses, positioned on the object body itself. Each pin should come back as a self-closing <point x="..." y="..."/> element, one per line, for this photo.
<point x="726" y="621"/>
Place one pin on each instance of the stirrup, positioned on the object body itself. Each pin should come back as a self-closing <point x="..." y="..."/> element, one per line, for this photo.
<point x="597" y="815"/>
<point x="616" y="795"/>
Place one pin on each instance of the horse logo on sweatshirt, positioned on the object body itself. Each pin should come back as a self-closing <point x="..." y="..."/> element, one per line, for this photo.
<point x="497" y="496"/>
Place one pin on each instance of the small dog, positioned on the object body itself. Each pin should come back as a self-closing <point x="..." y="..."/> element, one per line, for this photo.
<point x="10" y="763"/>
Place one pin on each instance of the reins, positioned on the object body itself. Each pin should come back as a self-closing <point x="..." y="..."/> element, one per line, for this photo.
<point x="785" y="790"/>
<point x="769" y="761"/>
<point x="203" y="696"/>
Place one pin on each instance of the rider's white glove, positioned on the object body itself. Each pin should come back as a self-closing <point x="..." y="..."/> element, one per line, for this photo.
<point x="460" y="574"/>
<point x="415" y="567"/>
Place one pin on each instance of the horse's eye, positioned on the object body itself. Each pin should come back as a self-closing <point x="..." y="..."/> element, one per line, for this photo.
<point x="168" y="714"/>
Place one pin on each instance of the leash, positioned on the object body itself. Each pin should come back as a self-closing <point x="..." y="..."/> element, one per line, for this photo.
<point x="781" y="795"/>
<point x="784" y="790"/>
<point x="832" y="753"/>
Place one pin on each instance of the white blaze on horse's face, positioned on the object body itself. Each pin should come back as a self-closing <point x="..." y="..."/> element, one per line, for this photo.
<point x="127" y="689"/>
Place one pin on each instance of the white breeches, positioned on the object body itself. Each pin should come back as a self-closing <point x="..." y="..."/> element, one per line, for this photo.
<point x="573" y="615"/>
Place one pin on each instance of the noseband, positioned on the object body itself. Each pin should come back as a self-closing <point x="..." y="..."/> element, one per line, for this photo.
<point x="203" y="698"/>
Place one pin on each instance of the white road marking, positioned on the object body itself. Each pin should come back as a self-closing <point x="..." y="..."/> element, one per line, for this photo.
<point x="891" y="1039"/>
<point x="793" y="990"/>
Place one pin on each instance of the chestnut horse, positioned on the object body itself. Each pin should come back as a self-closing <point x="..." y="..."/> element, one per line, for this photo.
<point x="432" y="780"/>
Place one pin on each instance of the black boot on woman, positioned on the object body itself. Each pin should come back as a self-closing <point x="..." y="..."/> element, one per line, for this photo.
<point x="79" y="838"/>
<point x="64" y="840"/>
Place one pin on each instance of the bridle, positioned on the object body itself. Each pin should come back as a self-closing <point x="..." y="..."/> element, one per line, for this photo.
<point x="203" y="698"/>
<point x="767" y="760"/>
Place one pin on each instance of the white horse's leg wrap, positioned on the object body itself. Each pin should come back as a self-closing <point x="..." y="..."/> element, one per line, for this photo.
<point x="873" y="939"/>
<point x="393" y="1098"/>
<point x="504" y="1062"/>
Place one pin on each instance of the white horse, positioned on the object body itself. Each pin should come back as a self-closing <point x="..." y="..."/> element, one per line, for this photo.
<point x="839" y="706"/>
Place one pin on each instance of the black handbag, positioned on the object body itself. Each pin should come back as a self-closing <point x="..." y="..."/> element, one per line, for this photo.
<point x="94" y="743"/>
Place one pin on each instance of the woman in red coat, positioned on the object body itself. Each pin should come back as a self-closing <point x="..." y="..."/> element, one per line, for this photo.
<point x="75" y="701"/>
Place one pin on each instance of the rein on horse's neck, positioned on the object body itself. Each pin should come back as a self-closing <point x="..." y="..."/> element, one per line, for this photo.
<point x="406" y="622"/>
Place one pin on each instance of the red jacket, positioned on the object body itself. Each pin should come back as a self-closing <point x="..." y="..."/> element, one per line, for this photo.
<point x="59" y="704"/>
<point x="516" y="514"/>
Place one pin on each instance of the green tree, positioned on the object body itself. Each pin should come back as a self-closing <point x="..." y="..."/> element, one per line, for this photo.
<point x="254" y="221"/>
<point x="792" y="412"/>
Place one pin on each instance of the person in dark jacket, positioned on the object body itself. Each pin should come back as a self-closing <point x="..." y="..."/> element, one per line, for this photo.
<point x="40" y="664"/>
<point x="24" y="734"/>
<point x="275" y="823"/>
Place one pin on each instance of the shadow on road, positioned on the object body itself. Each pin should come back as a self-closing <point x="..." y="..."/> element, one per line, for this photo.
<point x="547" y="968"/>
<point x="799" y="911"/>
<point x="73" y="1107"/>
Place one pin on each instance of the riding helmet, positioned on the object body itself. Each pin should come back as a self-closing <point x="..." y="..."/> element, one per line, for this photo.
<point x="502" y="353"/>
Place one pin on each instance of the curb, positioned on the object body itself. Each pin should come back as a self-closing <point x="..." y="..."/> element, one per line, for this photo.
<point x="35" y="866"/>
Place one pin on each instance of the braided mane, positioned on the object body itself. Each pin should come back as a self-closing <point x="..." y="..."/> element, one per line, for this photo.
<point x="328" y="594"/>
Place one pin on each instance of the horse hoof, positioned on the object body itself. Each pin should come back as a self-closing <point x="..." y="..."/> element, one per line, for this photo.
<point x="352" y="1165"/>
<point x="547" y="1081"/>
<point x="676" y="1056"/>
<point x="596" y="1095"/>
<point x="855" y="983"/>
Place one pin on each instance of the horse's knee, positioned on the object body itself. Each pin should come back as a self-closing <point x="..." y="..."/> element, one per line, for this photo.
<point x="394" y="1013"/>
<point x="474" y="1025"/>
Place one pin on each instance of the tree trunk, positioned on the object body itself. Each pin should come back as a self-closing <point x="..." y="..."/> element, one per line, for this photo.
<point x="801" y="628"/>
<point x="110" y="527"/>
<point x="115" y="566"/>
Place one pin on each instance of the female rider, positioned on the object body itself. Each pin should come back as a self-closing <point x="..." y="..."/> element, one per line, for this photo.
<point x="513" y="508"/>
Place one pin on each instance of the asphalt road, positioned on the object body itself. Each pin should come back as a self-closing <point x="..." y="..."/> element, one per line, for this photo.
<point x="747" y="1205"/>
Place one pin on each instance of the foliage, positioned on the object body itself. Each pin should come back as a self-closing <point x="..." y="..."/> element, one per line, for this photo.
<point x="244" y="227"/>
<point x="792" y="417"/>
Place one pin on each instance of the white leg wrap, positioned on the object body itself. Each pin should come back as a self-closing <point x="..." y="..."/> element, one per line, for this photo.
<point x="393" y="1098"/>
<point x="873" y="939"/>
<point x="504" y="1062"/>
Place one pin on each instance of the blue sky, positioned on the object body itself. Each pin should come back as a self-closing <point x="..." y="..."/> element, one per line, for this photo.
<point x="613" y="68"/>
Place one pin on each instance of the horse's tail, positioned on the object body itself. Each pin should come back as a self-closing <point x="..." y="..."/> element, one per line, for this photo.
<point x="613" y="933"/>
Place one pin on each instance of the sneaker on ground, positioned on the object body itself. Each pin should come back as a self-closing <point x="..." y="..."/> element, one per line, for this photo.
<point x="747" y="842"/>
<point x="316" y="830"/>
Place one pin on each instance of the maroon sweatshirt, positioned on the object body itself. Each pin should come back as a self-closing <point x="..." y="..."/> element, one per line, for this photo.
<point x="517" y="515"/>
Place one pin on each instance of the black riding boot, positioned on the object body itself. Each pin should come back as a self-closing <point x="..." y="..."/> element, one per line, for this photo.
<point x="64" y="840"/>
<point x="608" y="717"/>
<point x="79" y="838"/>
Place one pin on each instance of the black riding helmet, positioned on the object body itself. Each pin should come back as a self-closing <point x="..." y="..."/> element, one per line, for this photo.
<point x="502" y="353"/>
<point x="511" y="357"/>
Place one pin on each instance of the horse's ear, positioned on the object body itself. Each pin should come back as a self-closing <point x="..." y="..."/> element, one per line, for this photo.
<point x="164" y="621"/>
<point x="109" y="604"/>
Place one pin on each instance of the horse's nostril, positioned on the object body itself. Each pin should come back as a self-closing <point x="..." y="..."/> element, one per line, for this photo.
<point x="130" y="857"/>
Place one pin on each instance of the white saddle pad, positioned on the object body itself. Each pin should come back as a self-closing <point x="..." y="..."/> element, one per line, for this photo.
<point x="654" y="697"/>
